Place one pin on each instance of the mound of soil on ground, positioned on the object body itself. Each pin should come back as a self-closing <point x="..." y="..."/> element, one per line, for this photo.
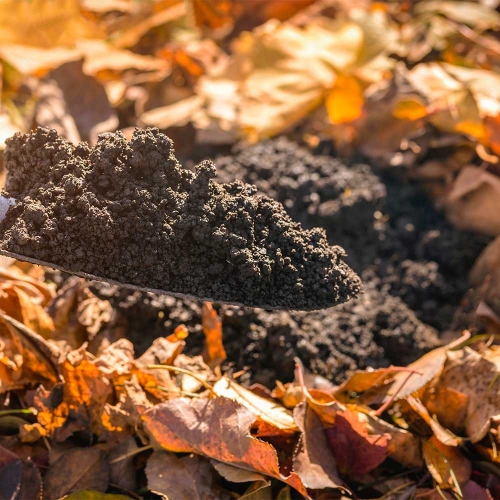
<point x="129" y="212"/>
<point x="413" y="263"/>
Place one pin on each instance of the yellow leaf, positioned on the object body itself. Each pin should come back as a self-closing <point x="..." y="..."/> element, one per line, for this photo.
<point x="410" y="109"/>
<point x="44" y="23"/>
<point x="345" y="101"/>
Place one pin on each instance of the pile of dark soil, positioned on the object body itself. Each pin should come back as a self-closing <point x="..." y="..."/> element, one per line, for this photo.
<point x="413" y="263"/>
<point x="129" y="212"/>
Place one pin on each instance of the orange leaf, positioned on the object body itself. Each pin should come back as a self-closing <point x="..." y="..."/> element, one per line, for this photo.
<point x="355" y="451"/>
<point x="446" y="463"/>
<point x="492" y="124"/>
<point x="345" y="101"/>
<point x="410" y="109"/>
<point x="215" y="353"/>
<point x="217" y="428"/>
<point x="215" y="14"/>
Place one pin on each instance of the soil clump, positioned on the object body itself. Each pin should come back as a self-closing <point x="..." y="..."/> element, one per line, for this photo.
<point x="414" y="266"/>
<point x="129" y="212"/>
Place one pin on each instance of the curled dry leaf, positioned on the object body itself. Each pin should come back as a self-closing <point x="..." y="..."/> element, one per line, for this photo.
<point x="77" y="469"/>
<point x="19" y="479"/>
<point x="75" y="104"/>
<point x="187" y="477"/>
<point x="224" y="435"/>
<point x="313" y="460"/>
<point x="355" y="450"/>
<point x="403" y="446"/>
<point x="25" y="357"/>
<point x="469" y="373"/>
<point x="474" y="200"/>
<point x="448" y="466"/>
<point x="263" y="408"/>
<point x="214" y="353"/>
<point x="486" y="264"/>
<point x="418" y="374"/>
<point x="442" y="434"/>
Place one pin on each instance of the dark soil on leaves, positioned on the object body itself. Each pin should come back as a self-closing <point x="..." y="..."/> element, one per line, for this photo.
<point x="129" y="212"/>
<point x="414" y="267"/>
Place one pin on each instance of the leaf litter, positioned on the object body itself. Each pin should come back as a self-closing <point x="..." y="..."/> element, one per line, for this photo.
<point x="408" y="89"/>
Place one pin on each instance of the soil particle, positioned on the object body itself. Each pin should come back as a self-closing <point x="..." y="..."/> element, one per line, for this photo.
<point x="129" y="212"/>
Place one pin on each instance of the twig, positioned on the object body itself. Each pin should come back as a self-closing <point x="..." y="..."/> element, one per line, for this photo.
<point x="131" y="453"/>
<point x="176" y="369"/>
<point x="394" y="396"/>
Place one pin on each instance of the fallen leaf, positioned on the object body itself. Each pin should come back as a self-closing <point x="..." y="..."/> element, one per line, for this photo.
<point x="486" y="264"/>
<point x="122" y="472"/>
<point x="418" y="374"/>
<point x="224" y="435"/>
<point x="404" y="447"/>
<point x="447" y="406"/>
<point x="344" y="102"/>
<point x="235" y="474"/>
<point x="20" y="306"/>
<point x="75" y="104"/>
<point x="448" y="466"/>
<point x="77" y="469"/>
<point x="214" y="353"/>
<point x="313" y="460"/>
<point x="473" y="201"/>
<point x="265" y="409"/>
<point x="42" y="24"/>
<point x="19" y="479"/>
<point x="173" y="476"/>
<point x="25" y="358"/>
<point x="442" y="434"/>
<point x="218" y="15"/>
<point x="356" y="452"/>
<point x="469" y="373"/>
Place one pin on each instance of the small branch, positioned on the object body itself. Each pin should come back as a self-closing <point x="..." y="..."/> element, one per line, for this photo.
<point x="175" y="369"/>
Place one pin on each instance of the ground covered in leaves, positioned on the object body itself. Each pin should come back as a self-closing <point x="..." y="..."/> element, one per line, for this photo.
<point x="377" y="121"/>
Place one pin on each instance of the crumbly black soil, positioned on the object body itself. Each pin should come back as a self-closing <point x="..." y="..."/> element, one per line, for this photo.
<point x="414" y="267"/>
<point x="129" y="212"/>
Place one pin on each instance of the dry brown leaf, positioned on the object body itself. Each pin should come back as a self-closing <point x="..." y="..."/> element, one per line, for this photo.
<point x="19" y="479"/>
<point x="214" y="352"/>
<point x="224" y="435"/>
<point x="77" y="469"/>
<point x="75" y="104"/>
<point x="448" y="466"/>
<point x="356" y="451"/>
<point x="474" y="201"/>
<point x="38" y="291"/>
<point x="419" y="373"/>
<point x="182" y="477"/>
<point x="265" y="409"/>
<point x="403" y="446"/>
<point x="25" y="358"/>
<point x="469" y="373"/>
<point x="363" y="381"/>
<point x="486" y="264"/>
<point x="235" y="474"/>
<point x="447" y="406"/>
<point x="20" y="306"/>
<point x="442" y="434"/>
<point x="313" y="460"/>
